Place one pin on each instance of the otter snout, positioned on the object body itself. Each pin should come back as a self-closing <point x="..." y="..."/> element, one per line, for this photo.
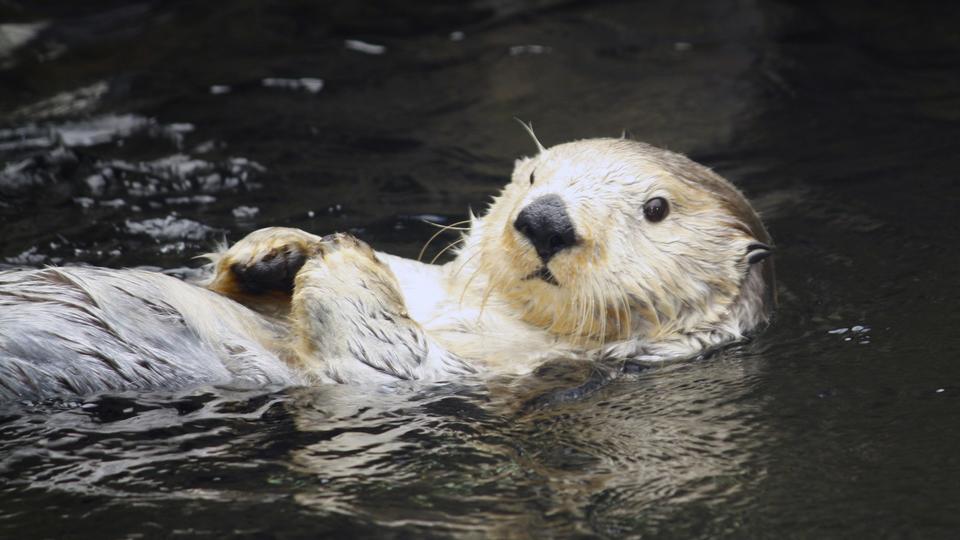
<point x="546" y="224"/>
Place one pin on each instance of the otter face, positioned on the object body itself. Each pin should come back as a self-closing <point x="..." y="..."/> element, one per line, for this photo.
<point x="608" y="239"/>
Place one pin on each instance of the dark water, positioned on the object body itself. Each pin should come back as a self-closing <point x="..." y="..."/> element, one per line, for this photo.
<point x="142" y="133"/>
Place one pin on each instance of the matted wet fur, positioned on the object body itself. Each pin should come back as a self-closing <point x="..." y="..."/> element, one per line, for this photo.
<point x="596" y="249"/>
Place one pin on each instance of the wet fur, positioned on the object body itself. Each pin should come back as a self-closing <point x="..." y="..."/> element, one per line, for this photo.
<point x="287" y="307"/>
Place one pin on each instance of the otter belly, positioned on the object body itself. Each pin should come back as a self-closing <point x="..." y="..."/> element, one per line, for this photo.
<point x="83" y="330"/>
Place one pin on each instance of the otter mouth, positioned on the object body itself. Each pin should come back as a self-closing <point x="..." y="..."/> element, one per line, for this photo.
<point x="543" y="273"/>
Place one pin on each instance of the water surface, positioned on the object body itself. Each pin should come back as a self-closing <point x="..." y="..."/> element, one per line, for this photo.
<point x="141" y="134"/>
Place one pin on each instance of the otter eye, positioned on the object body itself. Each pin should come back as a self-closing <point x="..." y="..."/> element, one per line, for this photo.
<point x="656" y="209"/>
<point x="532" y="177"/>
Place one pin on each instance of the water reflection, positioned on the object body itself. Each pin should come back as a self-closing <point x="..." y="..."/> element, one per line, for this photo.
<point x="634" y="456"/>
<point x="459" y="457"/>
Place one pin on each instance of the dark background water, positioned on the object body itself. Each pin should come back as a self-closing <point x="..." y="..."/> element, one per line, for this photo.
<point x="140" y="133"/>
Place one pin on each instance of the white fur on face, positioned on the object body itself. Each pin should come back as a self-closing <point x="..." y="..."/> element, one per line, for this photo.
<point x="626" y="277"/>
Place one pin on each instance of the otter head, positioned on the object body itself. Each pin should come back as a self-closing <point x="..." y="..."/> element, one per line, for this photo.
<point x="606" y="240"/>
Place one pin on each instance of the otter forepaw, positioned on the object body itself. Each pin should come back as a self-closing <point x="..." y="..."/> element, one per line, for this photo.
<point x="339" y="241"/>
<point x="274" y="271"/>
<point x="265" y="261"/>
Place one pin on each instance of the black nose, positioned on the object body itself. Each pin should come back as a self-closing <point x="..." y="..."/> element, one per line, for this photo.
<point x="547" y="225"/>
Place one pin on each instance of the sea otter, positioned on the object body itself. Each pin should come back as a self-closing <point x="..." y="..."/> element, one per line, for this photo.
<point x="596" y="248"/>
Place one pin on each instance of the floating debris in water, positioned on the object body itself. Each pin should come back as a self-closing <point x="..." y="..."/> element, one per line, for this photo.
<point x="364" y="47"/>
<point x="219" y="89"/>
<point x="308" y="84"/>
<point x="457" y="36"/>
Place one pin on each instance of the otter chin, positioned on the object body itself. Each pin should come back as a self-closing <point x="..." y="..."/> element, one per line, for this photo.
<point x="595" y="248"/>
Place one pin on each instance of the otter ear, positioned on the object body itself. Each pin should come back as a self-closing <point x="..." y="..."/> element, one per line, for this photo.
<point x="758" y="251"/>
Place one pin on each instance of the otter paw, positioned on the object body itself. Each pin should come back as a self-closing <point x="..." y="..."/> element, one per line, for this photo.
<point x="345" y="267"/>
<point x="265" y="261"/>
<point x="337" y="241"/>
<point x="273" y="271"/>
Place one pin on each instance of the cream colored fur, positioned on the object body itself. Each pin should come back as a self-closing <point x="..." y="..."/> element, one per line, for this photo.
<point x="629" y="287"/>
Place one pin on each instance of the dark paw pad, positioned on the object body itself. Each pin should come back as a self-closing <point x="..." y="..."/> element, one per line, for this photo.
<point x="274" y="272"/>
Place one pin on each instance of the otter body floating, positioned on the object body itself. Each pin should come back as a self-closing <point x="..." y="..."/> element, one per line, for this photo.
<point x="596" y="248"/>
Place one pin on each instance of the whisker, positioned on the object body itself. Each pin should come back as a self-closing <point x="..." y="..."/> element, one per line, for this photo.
<point x="601" y="313"/>
<point x="444" y="250"/>
<point x="464" y="265"/>
<point x="486" y="295"/>
<point x="450" y="226"/>
<point x="467" y="285"/>
<point x="626" y="319"/>
<point x="496" y="277"/>
<point x="584" y="305"/>
<point x="596" y="321"/>
<point x="443" y="229"/>
<point x="487" y="291"/>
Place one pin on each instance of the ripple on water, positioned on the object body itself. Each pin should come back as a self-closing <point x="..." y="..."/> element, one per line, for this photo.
<point x="844" y="140"/>
<point x="59" y="203"/>
<point x="169" y="228"/>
